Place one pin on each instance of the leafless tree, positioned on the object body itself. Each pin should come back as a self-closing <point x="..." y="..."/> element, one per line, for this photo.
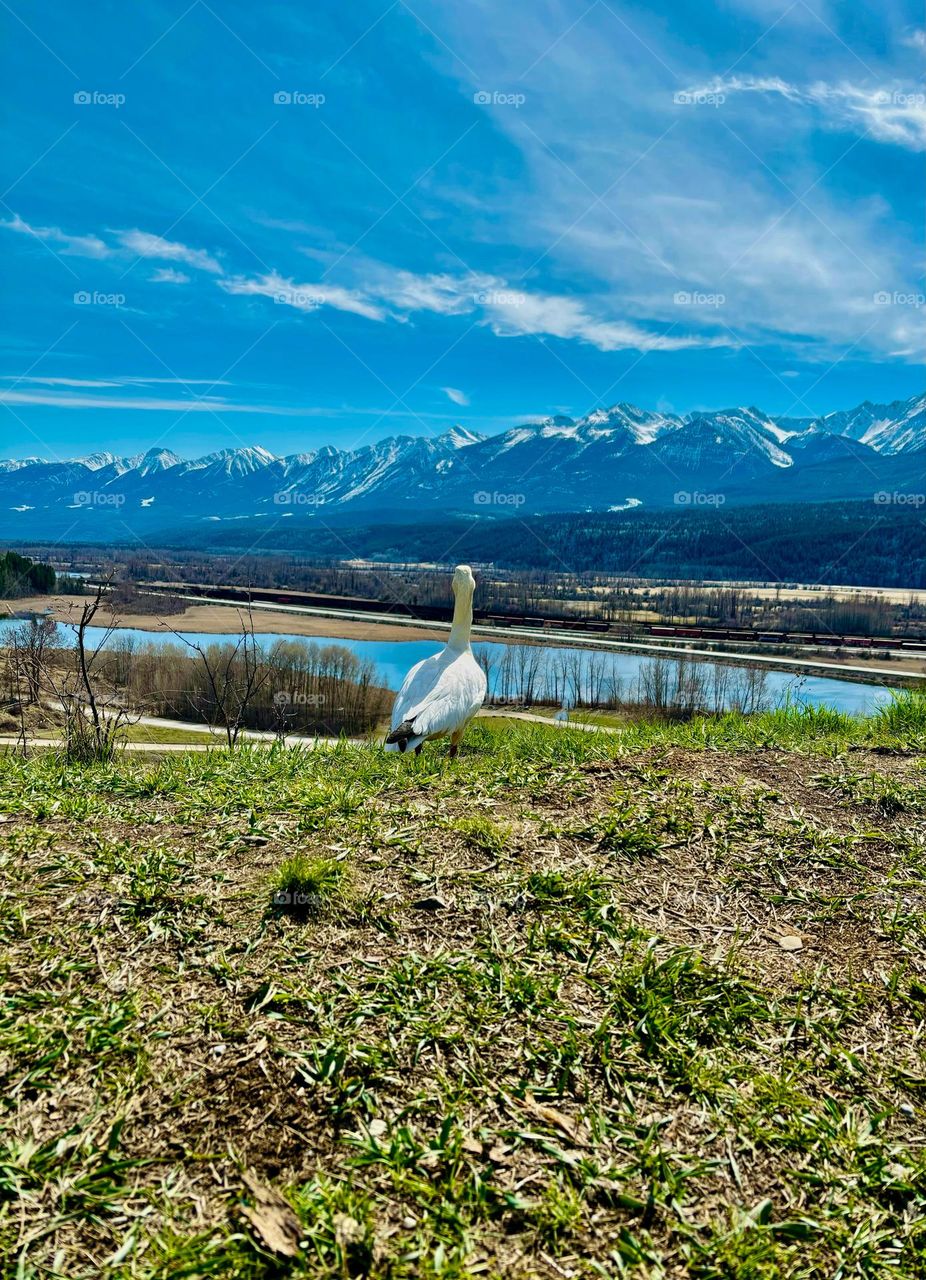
<point x="31" y="643"/>
<point x="235" y="675"/>
<point x="93" y="719"/>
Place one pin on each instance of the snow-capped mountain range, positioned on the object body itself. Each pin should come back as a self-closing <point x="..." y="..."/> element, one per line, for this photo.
<point x="611" y="459"/>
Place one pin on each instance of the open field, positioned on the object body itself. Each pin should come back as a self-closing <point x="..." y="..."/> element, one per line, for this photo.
<point x="645" y="1003"/>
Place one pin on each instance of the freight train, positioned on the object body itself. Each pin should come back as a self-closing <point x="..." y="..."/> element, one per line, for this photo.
<point x="595" y="626"/>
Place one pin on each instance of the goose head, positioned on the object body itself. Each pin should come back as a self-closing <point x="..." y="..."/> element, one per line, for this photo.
<point x="463" y="581"/>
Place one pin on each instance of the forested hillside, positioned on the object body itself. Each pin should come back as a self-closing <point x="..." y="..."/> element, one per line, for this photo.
<point x="856" y="543"/>
<point x="20" y="576"/>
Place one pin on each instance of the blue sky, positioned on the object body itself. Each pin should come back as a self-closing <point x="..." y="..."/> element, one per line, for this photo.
<point x="241" y="224"/>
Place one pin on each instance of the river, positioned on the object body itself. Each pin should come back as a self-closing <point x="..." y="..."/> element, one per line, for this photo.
<point x="554" y="670"/>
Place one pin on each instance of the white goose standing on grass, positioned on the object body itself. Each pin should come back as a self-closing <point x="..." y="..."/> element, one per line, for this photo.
<point x="441" y="694"/>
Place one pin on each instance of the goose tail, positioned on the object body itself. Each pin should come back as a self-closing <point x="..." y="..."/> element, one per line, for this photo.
<point x="401" y="736"/>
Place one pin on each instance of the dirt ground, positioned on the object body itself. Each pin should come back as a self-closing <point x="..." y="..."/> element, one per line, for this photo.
<point x="219" y="619"/>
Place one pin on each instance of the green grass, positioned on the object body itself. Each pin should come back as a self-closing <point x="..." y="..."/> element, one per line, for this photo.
<point x="536" y="1020"/>
<point x="161" y="734"/>
<point x="310" y="883"/>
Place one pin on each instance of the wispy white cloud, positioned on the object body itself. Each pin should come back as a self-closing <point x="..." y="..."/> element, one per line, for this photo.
<point x="169" y="275"/>
<point x="457" y="396"/>
<point x="202" y="404"/>
<point x="396" y="294"/>
<point x="69" y="245"/>
<point x="140" y="243"/>
<point x="145" y="245"/>
<point x="555" y="316"/>
<point x="440" y="293"/>
<point x="36" y="380"/>
<point x="896" y="115"/>
<point x="304" y="297"/>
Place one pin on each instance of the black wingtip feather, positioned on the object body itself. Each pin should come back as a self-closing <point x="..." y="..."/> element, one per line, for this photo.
<point x="401" y="735"/>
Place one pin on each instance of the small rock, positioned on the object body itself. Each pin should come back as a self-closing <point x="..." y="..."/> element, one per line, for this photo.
<point x="790" y="942"/>
<point x="377" y="1128"/>
<point x="255" y="840"/>
<point x="409" y="1223"/>
<point x="430" y="904"/>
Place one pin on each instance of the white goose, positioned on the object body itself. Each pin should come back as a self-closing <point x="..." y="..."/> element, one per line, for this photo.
<point x="441" y="694"/>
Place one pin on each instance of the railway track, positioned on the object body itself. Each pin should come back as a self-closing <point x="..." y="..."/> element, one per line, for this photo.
<point x="914" y="645"/>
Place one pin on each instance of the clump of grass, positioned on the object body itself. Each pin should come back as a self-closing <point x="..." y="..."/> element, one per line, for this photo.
<point x="304" y="885"/>
<point x="904" y="716"/>
<point x="483" y="834"/>
<point x="583" y="890"/>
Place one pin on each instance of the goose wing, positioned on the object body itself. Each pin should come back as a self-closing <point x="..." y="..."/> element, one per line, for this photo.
<point x="440" y="694"/>
<point x="415" y="688"/>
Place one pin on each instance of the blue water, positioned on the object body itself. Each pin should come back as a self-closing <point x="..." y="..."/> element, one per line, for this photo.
<point x="392" y="658"/>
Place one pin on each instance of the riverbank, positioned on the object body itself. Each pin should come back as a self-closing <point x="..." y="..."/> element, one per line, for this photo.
<point x="222" y="618"/>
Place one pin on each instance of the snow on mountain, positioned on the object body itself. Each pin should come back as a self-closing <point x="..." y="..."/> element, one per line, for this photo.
<point x="736" y="434"/>
<point x="643" y="426"/>
<point x="238" y="462"/>
<point x="899" y="427"/>
<point x="902" y="432"/>
<point x="459" y="437"/>
<point x="97" y="461"/>
<point x="154" y="460"/>
<point x="611" y="458"/>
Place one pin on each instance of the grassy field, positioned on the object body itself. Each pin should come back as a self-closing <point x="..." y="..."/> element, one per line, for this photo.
<point x="156" y="733"/>
<point x="640" y="1004"/>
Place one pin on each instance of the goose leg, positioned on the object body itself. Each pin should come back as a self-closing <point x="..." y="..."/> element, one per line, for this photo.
<point x="418" y="748"/>
<point x="455" y="744"/>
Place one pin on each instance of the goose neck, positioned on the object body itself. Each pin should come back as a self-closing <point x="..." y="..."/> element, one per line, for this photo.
<point x="462" y="621"/>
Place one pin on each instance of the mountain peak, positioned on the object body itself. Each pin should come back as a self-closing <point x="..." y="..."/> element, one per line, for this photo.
<point x="459" y="437"/>
<point x="614" y="457"/>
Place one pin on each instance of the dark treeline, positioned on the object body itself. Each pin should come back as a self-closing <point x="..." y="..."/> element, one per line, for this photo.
<point x="851" y="543"/>
<point x="848" y="543"/>
<point x="21" y="576"/>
